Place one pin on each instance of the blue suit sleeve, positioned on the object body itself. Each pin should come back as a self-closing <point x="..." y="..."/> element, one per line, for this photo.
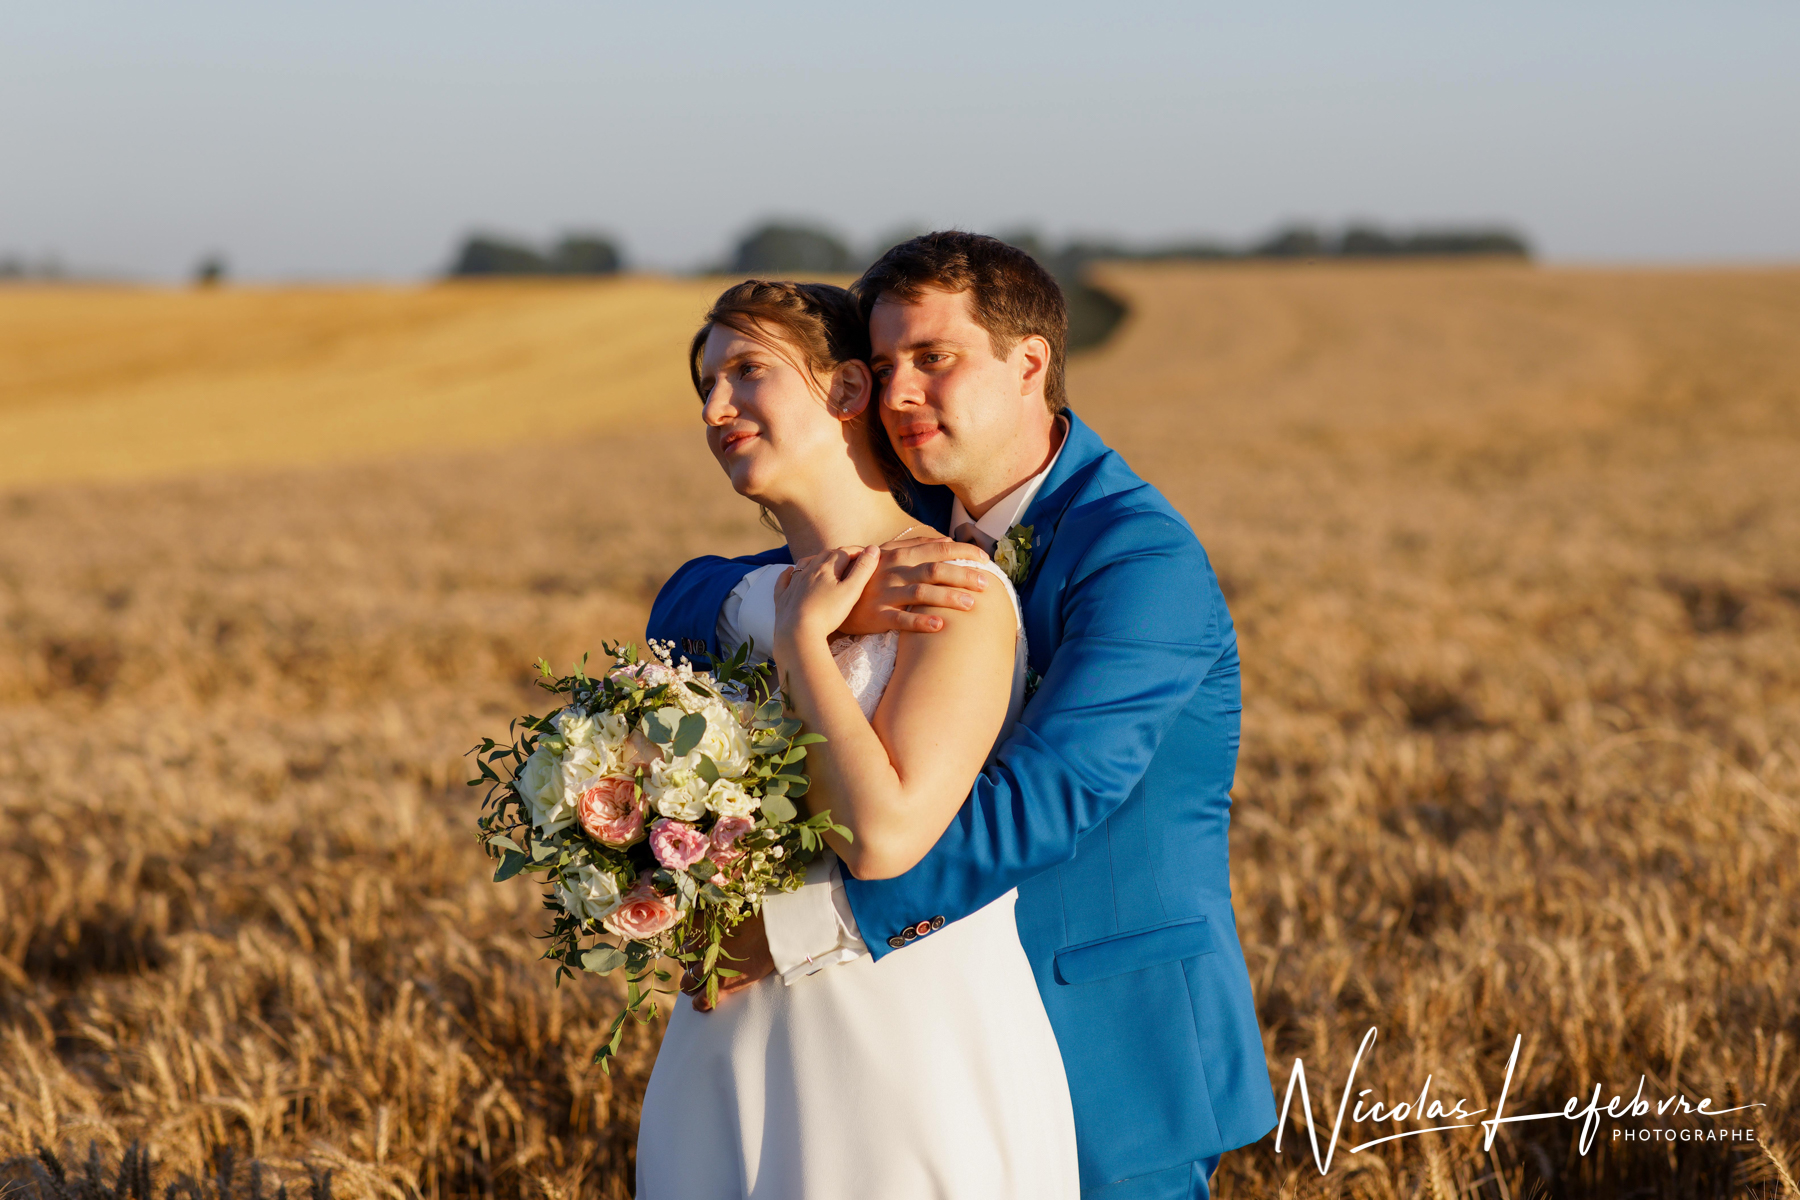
<point x="1143" y="622"/>
<point x="686" y="610"/>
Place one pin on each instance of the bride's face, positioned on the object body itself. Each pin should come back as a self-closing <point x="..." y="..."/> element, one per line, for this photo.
<point x="768" y="419"/>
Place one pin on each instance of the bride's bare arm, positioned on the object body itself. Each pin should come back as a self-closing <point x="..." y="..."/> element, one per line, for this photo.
<point x="895" y="783"/>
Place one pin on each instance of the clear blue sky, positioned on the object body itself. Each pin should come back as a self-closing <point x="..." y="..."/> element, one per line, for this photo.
<point x="333" y="139"/>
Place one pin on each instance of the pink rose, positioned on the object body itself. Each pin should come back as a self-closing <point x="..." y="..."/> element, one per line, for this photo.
<point x="676" y="844"/>
<point x="641" y="912"/>
<point x="610" y="812"/>
<point x="725" y="834"/>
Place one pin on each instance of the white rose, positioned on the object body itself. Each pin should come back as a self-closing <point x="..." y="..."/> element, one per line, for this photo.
<point x="610" y="730"/>
<point x="677" y="793"/>
<point x="588" y="893"/>
<point x="729" y="800"/>
<point x="541" y="787"/>
<point x="725" y="741"/>
<point x="581" y="766"/>
<point x="1006" y="557"/>
<point x="540" y="771"/>
<point x="577" y="729"/>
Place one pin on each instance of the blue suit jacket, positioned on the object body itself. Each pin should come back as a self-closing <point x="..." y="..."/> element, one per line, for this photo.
<point x="1107" y="807"/>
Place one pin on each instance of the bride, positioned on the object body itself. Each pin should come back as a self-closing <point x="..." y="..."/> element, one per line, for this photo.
<point x="933" y="1072"/>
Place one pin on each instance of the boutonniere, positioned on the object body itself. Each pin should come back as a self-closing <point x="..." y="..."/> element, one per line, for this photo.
<point x="1012" y="553"/>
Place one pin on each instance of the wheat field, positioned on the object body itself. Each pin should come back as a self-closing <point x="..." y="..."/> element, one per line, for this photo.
<point x="122" y="383"/>
<point x="1514" y="555"/>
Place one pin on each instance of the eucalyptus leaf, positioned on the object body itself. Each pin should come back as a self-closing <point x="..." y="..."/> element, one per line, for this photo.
<point x="778" y="807"/>
<point x="655" y="730"/>
<point x="511" y="865"/>
<point x="689" y="733"/>
<point x="501" y="841"/>
<point x="602" y="960"/>
<point x="708" y="769"/>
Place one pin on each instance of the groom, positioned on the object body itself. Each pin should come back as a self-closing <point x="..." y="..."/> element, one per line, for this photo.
<point x="1108" y="805"/>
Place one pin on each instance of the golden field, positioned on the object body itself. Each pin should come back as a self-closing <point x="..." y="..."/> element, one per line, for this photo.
<point x="125" y="383"/>
<point x="1514" y="556"/>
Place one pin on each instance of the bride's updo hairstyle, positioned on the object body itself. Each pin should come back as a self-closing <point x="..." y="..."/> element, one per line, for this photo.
<point x="818" y="325"/>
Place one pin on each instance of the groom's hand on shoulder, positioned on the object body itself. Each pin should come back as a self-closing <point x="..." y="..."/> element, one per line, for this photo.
<point x="917" y="573"/>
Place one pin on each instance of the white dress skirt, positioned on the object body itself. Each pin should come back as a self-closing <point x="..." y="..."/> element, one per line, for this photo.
<point x="932" y="1074"/>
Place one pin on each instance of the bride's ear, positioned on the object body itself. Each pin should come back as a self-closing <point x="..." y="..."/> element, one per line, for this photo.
<point x="851" y="387"/>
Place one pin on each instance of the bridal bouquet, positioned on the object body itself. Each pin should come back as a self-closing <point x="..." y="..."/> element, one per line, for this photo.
<point x="657" y="806"/>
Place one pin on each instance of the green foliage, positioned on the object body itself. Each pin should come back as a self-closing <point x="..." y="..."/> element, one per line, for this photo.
<point x="711" y="901"/>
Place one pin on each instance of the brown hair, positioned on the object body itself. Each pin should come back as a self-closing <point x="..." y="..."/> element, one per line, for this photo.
<point x="825" y="326"/>
<point x="1010" y="293"/>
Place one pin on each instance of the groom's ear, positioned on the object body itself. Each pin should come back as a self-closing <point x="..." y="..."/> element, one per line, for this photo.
<point x="851" y="387"/>
<point x="1034" y="375"/>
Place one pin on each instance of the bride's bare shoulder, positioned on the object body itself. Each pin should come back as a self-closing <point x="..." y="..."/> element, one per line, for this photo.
<point x="973" y="649"/>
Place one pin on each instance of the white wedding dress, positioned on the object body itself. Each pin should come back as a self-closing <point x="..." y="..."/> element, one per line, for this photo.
<point x="932" y="1074"/>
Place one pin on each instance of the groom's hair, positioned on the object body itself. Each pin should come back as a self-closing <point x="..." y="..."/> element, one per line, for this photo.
<point x="1010" y="293"/>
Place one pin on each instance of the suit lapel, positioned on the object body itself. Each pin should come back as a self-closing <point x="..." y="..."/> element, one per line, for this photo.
<point x="1081" y="454"/>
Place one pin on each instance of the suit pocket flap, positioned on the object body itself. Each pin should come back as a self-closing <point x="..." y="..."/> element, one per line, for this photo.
<point x="1134" y="951"/>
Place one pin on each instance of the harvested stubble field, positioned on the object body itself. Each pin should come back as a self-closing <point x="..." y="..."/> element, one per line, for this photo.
<point x="1515" y="560"/>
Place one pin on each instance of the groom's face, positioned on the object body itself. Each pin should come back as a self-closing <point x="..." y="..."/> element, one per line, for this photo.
<point x="947" y="400"/>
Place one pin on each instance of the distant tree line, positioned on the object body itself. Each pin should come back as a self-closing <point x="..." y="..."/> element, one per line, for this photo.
<point x="1308" y="241"/>
<point x="803" y="248"/>
<point x="575" y="254"/>
<point x="14" y="267"/>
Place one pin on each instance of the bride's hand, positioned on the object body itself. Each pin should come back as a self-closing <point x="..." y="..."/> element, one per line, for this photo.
<point x="813" y="598"/>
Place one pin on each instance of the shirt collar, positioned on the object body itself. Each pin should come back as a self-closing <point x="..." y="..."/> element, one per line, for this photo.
<point x="1010" y="507"/>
